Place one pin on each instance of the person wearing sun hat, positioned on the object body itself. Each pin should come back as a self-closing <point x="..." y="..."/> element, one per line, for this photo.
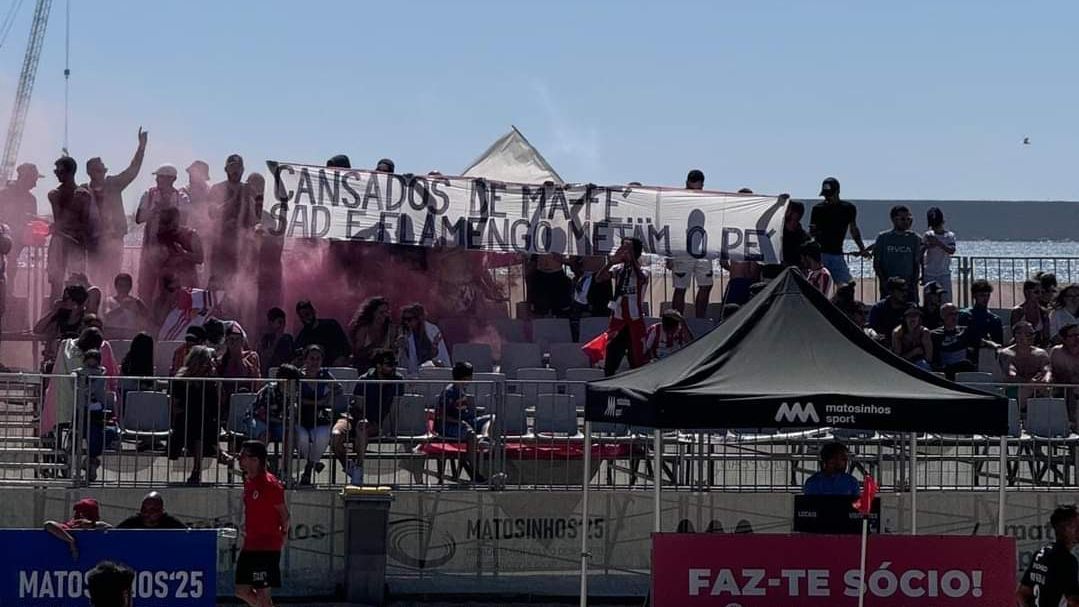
<point x="155" y="200"/>
<point x="85" y="515"/>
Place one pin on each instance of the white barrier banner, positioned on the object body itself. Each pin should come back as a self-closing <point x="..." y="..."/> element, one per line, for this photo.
<point x="481" y="215"/>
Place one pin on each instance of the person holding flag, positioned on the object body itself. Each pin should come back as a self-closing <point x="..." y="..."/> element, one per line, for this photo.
<point x="864" y="506"/>
<point x="626" y="330"/>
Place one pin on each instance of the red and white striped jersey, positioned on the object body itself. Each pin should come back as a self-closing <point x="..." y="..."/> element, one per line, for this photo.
<point x="628" y="303"/>
<point x="659" y="343"/>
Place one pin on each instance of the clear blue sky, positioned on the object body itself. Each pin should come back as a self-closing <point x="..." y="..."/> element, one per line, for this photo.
<point x="900" y="100"/>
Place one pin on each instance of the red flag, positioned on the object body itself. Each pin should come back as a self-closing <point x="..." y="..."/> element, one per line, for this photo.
<point x="596" y="350"/>
<point x="864" y="503"/>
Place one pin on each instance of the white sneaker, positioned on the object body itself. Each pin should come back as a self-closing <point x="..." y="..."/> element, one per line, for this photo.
<point x="355" y="475"/>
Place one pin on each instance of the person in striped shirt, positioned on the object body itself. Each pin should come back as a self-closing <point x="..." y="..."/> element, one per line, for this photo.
<point x="816" y="273"/>
<point x="667" y="336"/>
<point x="626" y="329"/>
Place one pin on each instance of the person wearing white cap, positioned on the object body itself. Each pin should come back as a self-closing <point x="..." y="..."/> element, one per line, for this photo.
<point x="18" y="207"/>
<point x="107" y="191"/>
<point x="154" y="200"/>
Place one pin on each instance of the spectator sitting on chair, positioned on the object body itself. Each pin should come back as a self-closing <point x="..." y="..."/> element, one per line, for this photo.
<point x="194" y="336"/>
<point x="85" y="514"/>
<point x="276" y="346"/>
<point x="859" y="315"/>
<point x="456" y="417"/>
<point x="152" y="515"/>
<point x="833" y="478"/>
<point x="911" y="341"/>
<point x="1064" y="360"/>
<point x="62" y="321"/>
<point x="1048" y="281"/>
<point x="235" y="363"/>
<point x="371" y="329"/>
<point x="368" y="413"/>
<point x="888" y="313"/>
<point x="981" y="322"/>
<point x="932" y="296"/>
<point x="667" y="336"/>
<point x="323" y="332"/>
<point x="421" y="342"/>
<point x="816" y="273"/>
<point x="125" y="314"/>
<point x="318" y="391"/>
<point x="110" y="585"/>
<point x="273" y="400"/>
<point x="1025" y="363"/>
<point x="1032" y="311"/>
<point x="951" y="344"/>
<point x="1065" y="311"/>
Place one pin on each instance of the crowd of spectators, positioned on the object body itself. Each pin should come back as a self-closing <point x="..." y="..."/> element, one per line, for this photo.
<point x="913" y="317"/>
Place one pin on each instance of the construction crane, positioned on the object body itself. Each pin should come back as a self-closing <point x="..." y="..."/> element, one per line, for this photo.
<point x="26" y="87"/>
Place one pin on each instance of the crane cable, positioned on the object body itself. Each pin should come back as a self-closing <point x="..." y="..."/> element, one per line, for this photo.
<point x="9" y="21"/>
<point x="67" y="70"/>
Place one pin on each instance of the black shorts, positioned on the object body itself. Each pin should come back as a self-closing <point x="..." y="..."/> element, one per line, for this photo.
<point x="259" y="569"/>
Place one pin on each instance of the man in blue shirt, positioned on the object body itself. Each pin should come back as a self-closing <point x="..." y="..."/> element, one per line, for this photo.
<point x="979" y="321"/>
<point x="833" y="478"/>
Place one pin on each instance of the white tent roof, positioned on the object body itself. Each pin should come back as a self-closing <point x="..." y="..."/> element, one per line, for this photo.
<point x="512" y="158"/>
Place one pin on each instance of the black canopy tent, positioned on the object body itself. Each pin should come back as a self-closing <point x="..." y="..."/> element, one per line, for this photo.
<point x="788" y="359"/>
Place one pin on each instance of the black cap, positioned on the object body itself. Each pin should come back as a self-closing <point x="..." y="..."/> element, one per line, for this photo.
<point x="339" y="161"/>
<point x="932" y="287"/>
<point x="389" y="164"/>
<point x="829" y="186"/>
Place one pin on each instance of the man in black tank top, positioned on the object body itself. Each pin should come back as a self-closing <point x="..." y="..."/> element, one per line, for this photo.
<point x="1052" y="579"/>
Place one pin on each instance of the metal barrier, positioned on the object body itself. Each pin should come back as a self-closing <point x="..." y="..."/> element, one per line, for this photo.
<point x="520" y="434"/>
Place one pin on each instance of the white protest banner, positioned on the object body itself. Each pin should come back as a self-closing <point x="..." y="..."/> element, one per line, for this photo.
<point x="481" y="215"/>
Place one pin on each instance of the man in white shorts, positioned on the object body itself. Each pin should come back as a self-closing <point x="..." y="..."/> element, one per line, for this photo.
<point x="699" y="270"/>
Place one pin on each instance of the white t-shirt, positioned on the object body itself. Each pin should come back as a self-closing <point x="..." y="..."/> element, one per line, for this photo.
<point x="937" y="260"/>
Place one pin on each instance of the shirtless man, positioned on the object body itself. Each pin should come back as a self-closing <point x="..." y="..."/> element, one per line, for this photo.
<point x="18" y="207"/>
<point x="1025" y="363"/>
<point x="1064" y="361"/>
<point x="550" y="289"/>
<point x="743" y="274"/>
<point x="74" y="227"/>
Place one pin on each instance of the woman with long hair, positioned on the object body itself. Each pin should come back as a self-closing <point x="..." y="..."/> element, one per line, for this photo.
<point x="315" y="416"/>
<point x="369" y="331"/>
<point x="138" y="363"/>
<point x="1065" y="310"/>
<point x="196" y="412"/>
<point x="1032" y="311"/>
<point x="237" y="362"/>
<point x="912" y="341"/>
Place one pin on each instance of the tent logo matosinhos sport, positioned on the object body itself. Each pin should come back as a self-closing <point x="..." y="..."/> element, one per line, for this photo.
<point x="797" y="412"/>
<point x="615" y="406"/>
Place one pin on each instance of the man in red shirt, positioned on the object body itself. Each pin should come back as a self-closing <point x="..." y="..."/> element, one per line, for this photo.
<point x="265" y="527"/>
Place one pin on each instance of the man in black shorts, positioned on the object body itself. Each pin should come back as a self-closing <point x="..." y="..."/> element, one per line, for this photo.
<point x="265" y="528"/>
<point x="1053" y="574"/>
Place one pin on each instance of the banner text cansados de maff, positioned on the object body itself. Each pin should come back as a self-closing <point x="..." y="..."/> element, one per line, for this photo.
<point x="482" y="215"/>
